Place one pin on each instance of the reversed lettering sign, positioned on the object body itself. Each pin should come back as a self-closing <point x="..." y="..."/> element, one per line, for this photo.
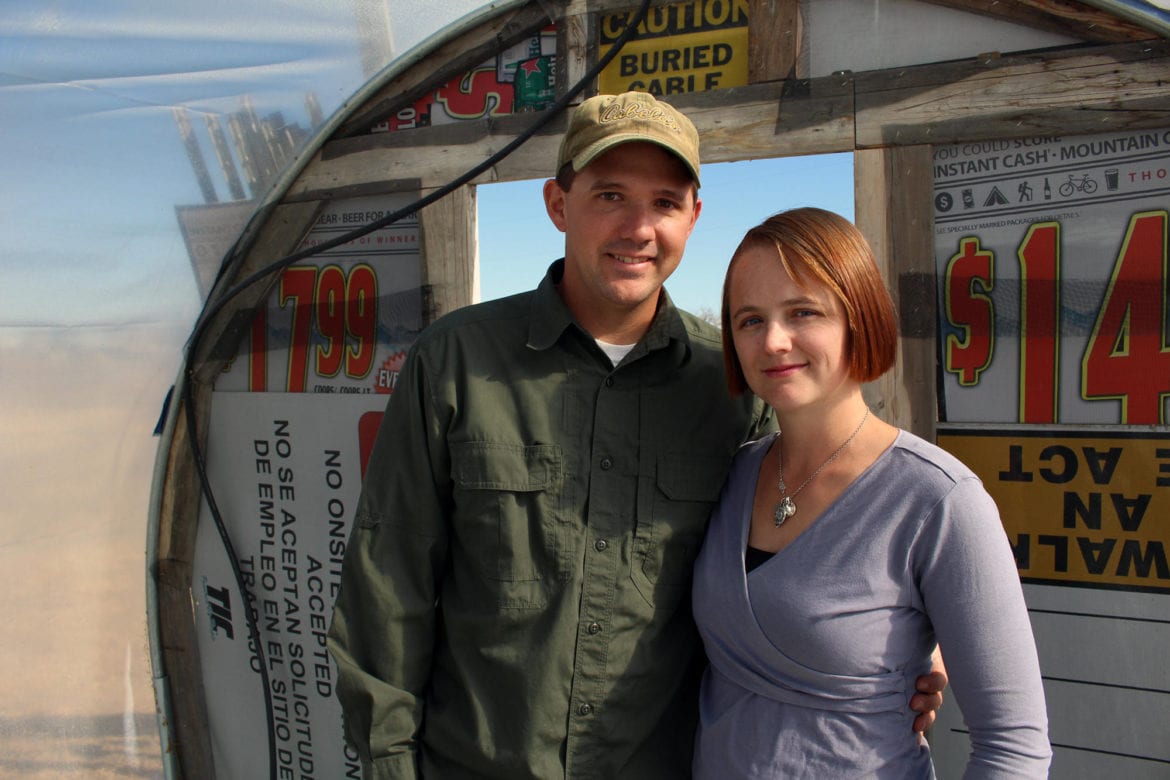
<point x="1079" y="508"/>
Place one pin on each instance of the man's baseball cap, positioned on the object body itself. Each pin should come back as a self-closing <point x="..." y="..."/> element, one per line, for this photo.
<point x="605" y="121"/>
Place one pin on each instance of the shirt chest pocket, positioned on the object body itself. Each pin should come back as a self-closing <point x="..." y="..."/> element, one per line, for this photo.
<point x="505" y="501"/>
<point x="667" y="543"/>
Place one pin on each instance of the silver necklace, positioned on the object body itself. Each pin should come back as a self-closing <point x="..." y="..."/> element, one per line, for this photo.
<point x="786" y="508"/>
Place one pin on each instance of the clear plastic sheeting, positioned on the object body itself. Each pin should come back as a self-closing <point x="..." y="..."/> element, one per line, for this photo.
<point x="134" y="138"/>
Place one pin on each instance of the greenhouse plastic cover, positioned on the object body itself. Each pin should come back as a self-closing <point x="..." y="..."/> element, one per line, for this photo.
<point x="99" y="294"/>
<point x="106" y="114"/>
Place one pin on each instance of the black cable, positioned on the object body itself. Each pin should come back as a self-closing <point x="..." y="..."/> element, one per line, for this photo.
<point x="214" y="308"/>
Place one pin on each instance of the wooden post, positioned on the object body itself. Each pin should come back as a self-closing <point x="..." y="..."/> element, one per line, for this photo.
<point x="450" y="252"/>
<point x="774" y="40"/>
<point x="894" y="209"/>
<point x="187" y="724"/>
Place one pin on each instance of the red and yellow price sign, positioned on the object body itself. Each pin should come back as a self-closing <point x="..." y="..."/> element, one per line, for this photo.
<point x="1127" y="354"/>
<point x="334" y="318"/>
<point x="1054" y="286"/>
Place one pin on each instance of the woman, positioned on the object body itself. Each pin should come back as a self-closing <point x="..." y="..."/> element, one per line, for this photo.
<point x="843" y="548"/>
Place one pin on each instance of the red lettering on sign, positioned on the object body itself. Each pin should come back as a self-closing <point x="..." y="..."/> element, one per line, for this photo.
<point x="970" y="310"/>
<point x="1127" y="357"/>
<point x="1040" y="323"/>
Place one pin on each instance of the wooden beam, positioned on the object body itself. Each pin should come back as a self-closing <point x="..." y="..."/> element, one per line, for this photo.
<point x="805" y="116"/>
<point x="430" y="156"/>
<point x="1068" y="92"/>
<point x="1064" y="17"/>
<point x="576" y="50"/>
<point x="180" y="502"/>
<point x="778" y="119"/>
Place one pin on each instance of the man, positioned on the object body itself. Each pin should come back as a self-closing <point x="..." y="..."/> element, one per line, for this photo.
<point x="515" y="595"/>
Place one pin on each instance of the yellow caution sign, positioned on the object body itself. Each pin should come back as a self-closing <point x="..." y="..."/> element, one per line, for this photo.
<point x="685" y="47"/>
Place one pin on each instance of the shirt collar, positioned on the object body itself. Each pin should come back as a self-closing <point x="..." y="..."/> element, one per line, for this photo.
<point x="551" y="318"/>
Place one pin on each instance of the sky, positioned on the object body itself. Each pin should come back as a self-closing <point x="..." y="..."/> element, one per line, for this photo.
<point x="735" y="197"/>
<point x="86" y="97"/>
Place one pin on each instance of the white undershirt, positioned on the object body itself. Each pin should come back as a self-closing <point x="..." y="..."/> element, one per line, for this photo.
<point x="616" y="352"/>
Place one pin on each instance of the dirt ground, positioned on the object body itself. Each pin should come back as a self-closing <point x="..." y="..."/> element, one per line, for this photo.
<point x="78" y="700"/>
<point x="76" y="464"/>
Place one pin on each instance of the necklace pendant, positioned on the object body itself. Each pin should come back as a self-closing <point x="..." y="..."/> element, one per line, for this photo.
<point x="784" y="510"/>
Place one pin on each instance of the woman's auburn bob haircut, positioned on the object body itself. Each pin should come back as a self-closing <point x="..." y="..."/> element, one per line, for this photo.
<point x="814" y="245"/>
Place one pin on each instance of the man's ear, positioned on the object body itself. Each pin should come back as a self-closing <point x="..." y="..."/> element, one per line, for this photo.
<point x="554" y="204"/>
<point x="695" y="218"/>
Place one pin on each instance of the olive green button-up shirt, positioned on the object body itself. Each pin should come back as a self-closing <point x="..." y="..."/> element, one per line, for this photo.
<point x="515" y="594"/>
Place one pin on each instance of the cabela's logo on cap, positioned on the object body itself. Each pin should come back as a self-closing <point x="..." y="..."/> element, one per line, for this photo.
<point x="617" y="112"/>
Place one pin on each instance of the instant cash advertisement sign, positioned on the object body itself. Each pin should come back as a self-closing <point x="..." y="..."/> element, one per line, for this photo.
<point x="1052" y="261"/>
<point x="1054" y="358"/>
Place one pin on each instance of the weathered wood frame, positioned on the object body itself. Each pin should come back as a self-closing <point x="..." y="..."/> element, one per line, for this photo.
<point x="889" y="119"/>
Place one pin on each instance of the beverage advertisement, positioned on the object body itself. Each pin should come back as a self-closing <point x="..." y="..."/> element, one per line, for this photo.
<point x="339" y="321"/>
<point x="520" y="79"/>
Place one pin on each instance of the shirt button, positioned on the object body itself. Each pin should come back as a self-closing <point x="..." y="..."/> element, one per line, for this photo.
<point x="594" y="628"/>
<point x="606" y="463"/>
<point x="585" y="709"/>
<point x="600" y="545"/>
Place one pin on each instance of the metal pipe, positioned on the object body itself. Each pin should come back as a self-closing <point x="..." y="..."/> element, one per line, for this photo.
<point x="162" y="694"/>
<point x="1144" y="14"/>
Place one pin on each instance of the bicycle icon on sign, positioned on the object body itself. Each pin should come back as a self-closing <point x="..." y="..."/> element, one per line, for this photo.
<point x="1075" y="183"/>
